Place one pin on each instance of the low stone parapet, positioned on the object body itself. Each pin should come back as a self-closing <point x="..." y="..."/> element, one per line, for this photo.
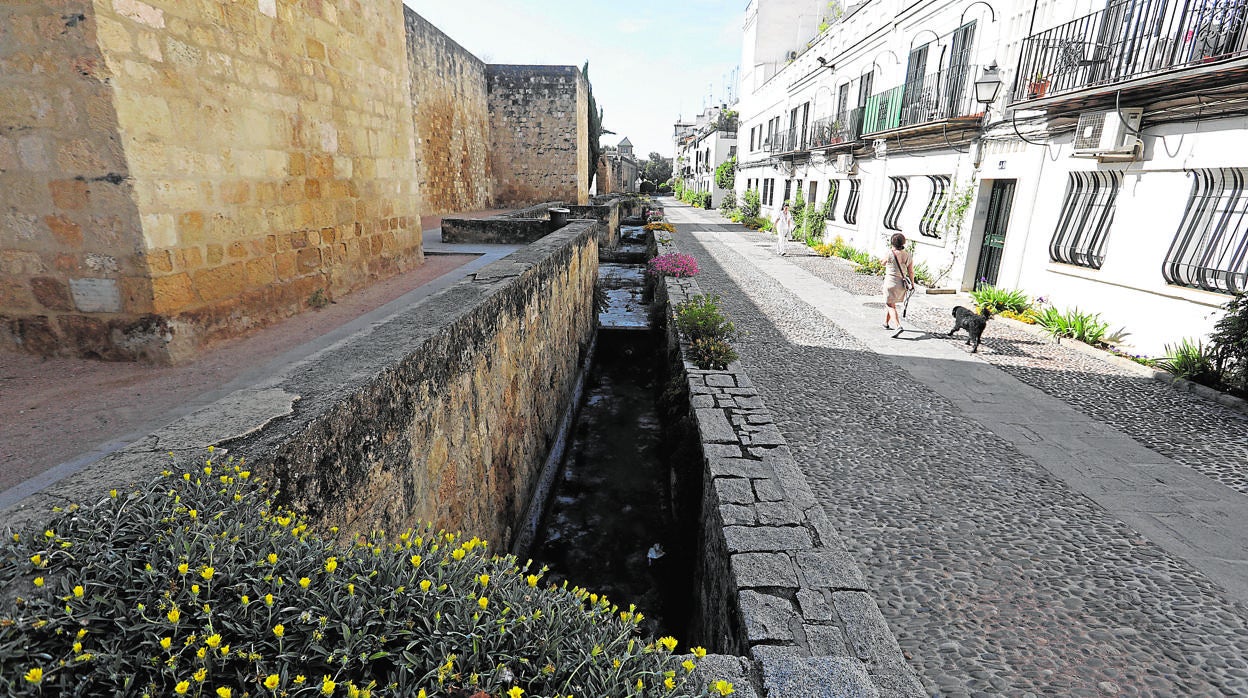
<point x="778" y="584"/>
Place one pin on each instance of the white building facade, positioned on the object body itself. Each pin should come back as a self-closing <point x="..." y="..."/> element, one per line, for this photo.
<point x="703" y="146"/>
<point x="1110" y="174"/>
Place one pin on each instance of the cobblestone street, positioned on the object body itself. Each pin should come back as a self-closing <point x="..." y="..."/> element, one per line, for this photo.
<point x="1033" y="520"/>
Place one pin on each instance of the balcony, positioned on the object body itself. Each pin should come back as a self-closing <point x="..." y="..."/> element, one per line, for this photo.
<point x="832" y="131"/>
<point x="1146" y="48"/>
<point x="791" y="141"/>
<point x="933" y="99"/>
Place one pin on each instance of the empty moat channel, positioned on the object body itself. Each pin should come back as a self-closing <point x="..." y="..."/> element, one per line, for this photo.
<point x="617" y="513"/>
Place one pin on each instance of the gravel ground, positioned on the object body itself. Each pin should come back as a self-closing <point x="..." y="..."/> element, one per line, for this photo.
<point x="996" y="577"/>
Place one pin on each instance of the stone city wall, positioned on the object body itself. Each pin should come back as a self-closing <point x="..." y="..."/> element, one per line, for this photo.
<point x="778" y="583"/>
<point x="443" y="412"/>
<point x="72" y="268"/>
<point x="539" y="125"/>
<point x="175" y="172"/>
<point x="452" y="120"/>
<point x="267" y="150"/>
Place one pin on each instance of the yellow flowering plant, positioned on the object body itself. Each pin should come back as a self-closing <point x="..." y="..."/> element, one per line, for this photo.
<point x="387" y="614"/>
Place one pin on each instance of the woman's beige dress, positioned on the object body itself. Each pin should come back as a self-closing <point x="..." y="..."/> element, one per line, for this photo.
<point x="894" y="288"/>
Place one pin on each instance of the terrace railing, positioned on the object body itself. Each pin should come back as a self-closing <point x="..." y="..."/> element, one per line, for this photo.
<point x="938" y="96"/>
<point x="786" y="141"/>
<point x="1128" y="39"/>
<point x="831" y="130"/>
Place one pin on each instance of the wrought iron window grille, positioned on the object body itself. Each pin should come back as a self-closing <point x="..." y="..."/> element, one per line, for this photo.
<point x="851" y="202"/>
<point x="929" y="224"/>
<point x="901" y="190"/>
<point x="1087" y="214"/>
<point x="834" y="190"/>
<point x="1210" y="248"/>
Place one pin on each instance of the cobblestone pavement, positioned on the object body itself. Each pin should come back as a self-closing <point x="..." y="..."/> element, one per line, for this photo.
<point x="996" y="576"/>
<point x="1193" y="431"/>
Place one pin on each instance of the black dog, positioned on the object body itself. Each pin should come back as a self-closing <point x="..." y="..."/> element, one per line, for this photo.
<point x="966" y="319"/>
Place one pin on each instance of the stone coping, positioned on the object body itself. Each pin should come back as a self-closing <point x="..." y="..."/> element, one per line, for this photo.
<point x="796" y="602"/>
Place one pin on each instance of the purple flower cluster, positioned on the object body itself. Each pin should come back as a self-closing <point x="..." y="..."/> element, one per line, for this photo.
<point x="677" y="265"/>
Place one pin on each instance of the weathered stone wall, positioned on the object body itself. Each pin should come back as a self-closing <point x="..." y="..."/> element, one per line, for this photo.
<point x="539" y="121"/>
<point x="452" y="120"/>
<point x="457" y="430"/>
<point x="72" y="269"/>
<point x="211" y="163"/>
<point x="270" y="148"/>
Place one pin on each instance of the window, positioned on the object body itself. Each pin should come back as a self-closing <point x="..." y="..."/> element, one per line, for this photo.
<point x="1087" y="213"/>
<point x="901" y="189"/>
<point x="797" y="196"/>
<point x="788" y="189"/>
<point x="929" y="224"/>
<point x="830" y="207"/>
<point x="851" y="202"/>
<point x="810" y="195"/>
<point x="842" y="104"/>
<point x="768" y="190"/>
<point x="864" y="87"/>
<point x="1210" y="248"/>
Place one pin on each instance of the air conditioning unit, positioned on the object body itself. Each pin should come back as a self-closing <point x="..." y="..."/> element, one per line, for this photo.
<point x="1112" y="132"/>
<point x="845" y="164"/>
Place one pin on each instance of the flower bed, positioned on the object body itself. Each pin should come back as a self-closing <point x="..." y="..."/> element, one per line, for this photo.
<point x="675" y="264"/>
<point x="196" y="584"/>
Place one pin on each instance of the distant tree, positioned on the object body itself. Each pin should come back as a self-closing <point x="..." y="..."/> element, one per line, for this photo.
<point x="657" y="168"/>
<point x="595" y="128"/>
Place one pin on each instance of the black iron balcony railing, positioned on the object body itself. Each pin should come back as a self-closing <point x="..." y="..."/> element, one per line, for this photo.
<point x="938" y="96"/>
<point x="1128" y="39"/>
<point x="786" y="141"/>
<point x="832" y="130"/>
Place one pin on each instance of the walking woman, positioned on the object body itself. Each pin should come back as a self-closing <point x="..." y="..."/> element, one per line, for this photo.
<point x="784" y="228"/>
<point x="898" y="279"/>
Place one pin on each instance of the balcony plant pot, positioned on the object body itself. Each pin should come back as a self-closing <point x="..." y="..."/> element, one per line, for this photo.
<point x="1037" y="88"/>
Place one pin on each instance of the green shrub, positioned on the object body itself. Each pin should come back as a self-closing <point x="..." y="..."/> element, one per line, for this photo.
<point x="751" y="204"/>
<point x="700" y="317"/>
<point x="870" y="265"/>
<point x="1191" y="360"/>
<point x="711" y="353"/>
<point x="1085" y="327"/>
<point x="729" y="204"/>
<point x="997" y="300"/>
<point x="923" y="275"/>
<point x="1229" y="345"/>
<point x="197" y="584"/>
<point x="726" y="173"/>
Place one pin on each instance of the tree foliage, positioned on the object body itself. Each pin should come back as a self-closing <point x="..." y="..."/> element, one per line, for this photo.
<point x="657" y="168"/>
<point x="726" y="173"/>
<point x="595" y="127"/>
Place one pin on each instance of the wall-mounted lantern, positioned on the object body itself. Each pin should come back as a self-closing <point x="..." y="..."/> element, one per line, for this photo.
<point x="988" y="85"/>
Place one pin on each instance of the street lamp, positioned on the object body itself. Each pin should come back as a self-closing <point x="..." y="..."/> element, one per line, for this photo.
<point x="988" y="85"/>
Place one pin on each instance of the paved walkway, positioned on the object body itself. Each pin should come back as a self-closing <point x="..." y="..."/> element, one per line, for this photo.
<point x="1035" y="522"/>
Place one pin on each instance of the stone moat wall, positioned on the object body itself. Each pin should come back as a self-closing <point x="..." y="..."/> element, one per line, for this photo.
<point x="443" y="412"/>
<point x="174" y="173"/>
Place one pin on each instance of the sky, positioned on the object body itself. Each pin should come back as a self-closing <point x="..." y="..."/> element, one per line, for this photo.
<point x="650" y="62"/>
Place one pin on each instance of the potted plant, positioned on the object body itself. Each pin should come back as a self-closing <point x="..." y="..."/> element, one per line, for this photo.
<point x="1038" y="86"/>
